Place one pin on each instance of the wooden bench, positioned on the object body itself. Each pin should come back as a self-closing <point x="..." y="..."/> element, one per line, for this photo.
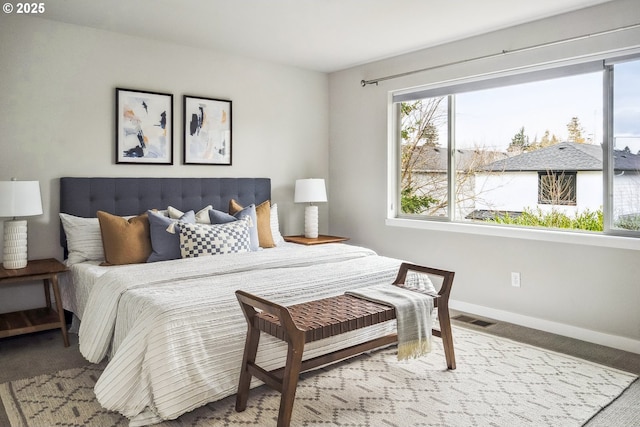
<point x="315" y="320"/>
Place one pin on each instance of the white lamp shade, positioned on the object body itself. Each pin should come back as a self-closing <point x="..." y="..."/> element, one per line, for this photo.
<point x="20" y="198"/>
<point x="310" y="191"/>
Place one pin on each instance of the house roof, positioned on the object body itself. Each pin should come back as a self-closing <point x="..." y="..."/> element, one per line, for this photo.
<point x="625" y="160"/>
<point x="565" y="156"/>
<point x="434" y="159"/>
<point x="486" y="214"/>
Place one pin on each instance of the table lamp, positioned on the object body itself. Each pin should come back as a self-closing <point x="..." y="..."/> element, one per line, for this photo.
<point x="310" y="191"/>
<point x="17" y="199"/>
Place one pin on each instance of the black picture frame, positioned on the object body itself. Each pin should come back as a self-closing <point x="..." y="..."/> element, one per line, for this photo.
<point x="144" y="127"/>
<point x="207" y="131"/>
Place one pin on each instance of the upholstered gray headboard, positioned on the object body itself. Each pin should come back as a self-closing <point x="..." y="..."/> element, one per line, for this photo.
<point x="131" y="196"/>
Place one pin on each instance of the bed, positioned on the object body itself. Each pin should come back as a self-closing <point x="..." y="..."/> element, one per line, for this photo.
<point x="171" y="332"/>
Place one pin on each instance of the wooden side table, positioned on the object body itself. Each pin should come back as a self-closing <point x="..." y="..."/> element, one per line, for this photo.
<point x="317" y="241"/>
<point x="38" y="319"/>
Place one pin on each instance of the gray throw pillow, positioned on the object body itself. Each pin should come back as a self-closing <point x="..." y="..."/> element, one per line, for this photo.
<point x="165" y="245"/>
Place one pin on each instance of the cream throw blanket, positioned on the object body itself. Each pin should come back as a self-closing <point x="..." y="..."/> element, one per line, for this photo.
<point x="413" y="315"/>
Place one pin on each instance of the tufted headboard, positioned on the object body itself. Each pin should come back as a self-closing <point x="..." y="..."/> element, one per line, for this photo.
<point x="131" y="196"/>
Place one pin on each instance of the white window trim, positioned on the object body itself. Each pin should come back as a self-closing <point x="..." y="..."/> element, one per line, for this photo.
<point x="538" y="234"/>
<point x="546" y="235"/>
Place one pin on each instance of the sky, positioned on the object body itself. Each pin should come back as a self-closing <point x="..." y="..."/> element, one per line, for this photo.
<point x="549" y="105"/>
<point x="627" y="105"/>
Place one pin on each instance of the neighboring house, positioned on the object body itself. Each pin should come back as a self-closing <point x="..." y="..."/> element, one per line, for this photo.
<point x="626" y="184"/>
<point x="565" y="176"/>
<point x="428" y="166"/>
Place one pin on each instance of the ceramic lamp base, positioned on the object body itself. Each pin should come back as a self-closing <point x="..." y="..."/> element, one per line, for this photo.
<point x="311" y="222"/>
<point x="14" y="254"/>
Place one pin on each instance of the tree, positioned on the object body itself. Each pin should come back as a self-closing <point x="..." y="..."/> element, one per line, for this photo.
<point x="519" y="142"/>
<point x="419" y="131"/>
<point x="547" y="140"/>
<point x="423" y="177"/>
<point x="413" y="203"/>
<point x="420" y="120"/>
<point x="575" y="131"/>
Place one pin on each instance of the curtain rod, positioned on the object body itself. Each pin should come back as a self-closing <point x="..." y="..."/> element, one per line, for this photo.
<point x="364" y="83"/>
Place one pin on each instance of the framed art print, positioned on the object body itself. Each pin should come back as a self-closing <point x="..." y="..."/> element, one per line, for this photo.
<point x="207" y="131"/>
<point x="144" y="127"/>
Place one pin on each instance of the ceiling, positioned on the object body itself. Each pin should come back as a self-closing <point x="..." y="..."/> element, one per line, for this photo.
<point x="322" y="35"/>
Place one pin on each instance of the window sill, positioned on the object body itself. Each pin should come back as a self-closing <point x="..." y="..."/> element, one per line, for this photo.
<point x="618" y="242"/>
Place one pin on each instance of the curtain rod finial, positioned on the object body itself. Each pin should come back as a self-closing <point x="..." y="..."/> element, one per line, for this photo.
<point x="363" y="83"/>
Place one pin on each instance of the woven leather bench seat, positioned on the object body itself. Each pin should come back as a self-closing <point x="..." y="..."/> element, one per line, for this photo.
<point x="315" y="320"/>
<point x="327" y="317"/>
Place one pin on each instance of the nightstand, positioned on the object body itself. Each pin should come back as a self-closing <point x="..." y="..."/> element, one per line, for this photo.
<point x="317" y="241"/>
<point x="38" y="319"/>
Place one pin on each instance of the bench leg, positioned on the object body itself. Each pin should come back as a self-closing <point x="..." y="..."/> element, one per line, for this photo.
<point x="290" y="382"/>
<point x="447" y="336"/>
<point x="250" y="351"/>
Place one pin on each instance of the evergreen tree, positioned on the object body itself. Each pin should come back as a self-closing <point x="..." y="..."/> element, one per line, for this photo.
<point x="519" y="142"/>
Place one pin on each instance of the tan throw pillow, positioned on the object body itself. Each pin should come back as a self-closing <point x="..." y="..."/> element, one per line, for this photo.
<point x="125" y="241"/>
<point x="263" y="212"/>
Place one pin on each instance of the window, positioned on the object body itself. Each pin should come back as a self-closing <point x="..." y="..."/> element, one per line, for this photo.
<point x="557" y="188"/>
<point x="557" y="148"/>
<point x="625" y="136"/>
<point x="424" y="165"/>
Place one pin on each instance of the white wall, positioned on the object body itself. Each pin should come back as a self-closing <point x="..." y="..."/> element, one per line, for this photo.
<point x="626" y="193"/>
<point x="514" y="191"/>
<point x="590" y="292"/>
<point x="57" y="107"/>
<point x="511" y="191"/>
<point x="589" y="190"/>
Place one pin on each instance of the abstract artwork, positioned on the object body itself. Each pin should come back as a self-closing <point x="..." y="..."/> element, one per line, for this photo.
<point x="144" y="127"/>
<point x="207" y="131"/>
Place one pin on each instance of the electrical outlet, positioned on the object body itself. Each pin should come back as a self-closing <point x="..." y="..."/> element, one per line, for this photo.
<point x="515" y="279"/>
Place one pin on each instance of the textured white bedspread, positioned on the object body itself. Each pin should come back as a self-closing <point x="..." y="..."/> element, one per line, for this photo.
<point x="175" y="332"/>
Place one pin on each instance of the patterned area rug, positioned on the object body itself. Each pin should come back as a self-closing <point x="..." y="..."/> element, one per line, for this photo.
<point x="498" y="383"/>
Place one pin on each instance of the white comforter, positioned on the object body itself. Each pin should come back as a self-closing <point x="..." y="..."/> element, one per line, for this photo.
<point x="175" y="333"/>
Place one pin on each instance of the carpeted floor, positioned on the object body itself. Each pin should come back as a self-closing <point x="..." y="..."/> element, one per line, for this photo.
<point x="499" y="382"/>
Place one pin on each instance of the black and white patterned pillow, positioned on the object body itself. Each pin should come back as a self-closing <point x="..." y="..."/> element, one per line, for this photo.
<point x="203" y="239"/>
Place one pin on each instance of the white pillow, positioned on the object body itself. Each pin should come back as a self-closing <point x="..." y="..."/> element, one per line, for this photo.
<point x="202" y="216"/>
<point x="198" y="240"/>
<point x="84" y="241"/>
<point x="275" y="225"/>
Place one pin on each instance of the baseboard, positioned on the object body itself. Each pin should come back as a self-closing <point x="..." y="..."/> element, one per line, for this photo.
<point x="614" y="341"/>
